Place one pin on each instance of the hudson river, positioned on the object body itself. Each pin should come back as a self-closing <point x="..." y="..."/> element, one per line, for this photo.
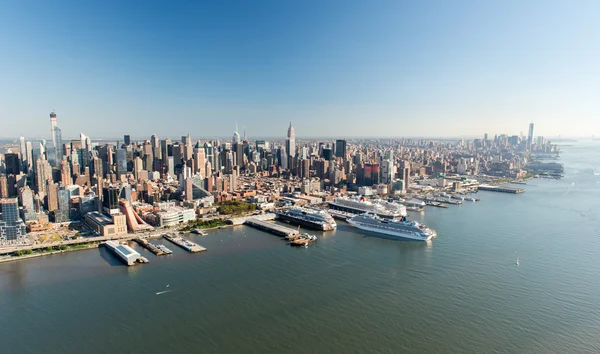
<point x="251" y="293"/>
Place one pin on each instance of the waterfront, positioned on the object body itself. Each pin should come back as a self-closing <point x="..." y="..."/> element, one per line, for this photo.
<point x="462" y="293"/>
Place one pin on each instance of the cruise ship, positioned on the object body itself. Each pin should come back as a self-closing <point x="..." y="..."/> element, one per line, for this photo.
<point x="401" y="229"/>
<point x="310" y="218"/>
<point x="382" y="209"/>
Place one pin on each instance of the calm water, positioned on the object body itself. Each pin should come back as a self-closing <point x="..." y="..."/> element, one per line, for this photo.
<point x="347" y="294"/>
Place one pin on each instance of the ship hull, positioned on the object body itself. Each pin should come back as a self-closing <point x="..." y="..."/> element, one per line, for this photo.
<point x="393" y="234"/>
<point x="305" y="223"/>
<point x="357" y="211"/>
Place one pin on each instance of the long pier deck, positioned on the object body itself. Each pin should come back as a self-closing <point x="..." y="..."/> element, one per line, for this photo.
<point x="501" y="189"/>
<point x="271" y="227"/>
<point x="187" y="245"/>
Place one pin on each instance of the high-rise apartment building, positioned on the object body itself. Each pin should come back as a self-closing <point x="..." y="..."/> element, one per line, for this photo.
<point x="52" y="197"/>
<point x="62" y="214"/>
<point x="12" y="227"/>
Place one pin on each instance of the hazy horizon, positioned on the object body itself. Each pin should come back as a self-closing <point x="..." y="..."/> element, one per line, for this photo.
<point x="343" y="68"/>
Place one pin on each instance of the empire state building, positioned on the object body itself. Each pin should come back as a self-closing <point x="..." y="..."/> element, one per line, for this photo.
<point x="290" y="146"/>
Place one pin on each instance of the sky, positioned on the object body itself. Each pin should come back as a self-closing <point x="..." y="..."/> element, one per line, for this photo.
<point x="333" y="68"/>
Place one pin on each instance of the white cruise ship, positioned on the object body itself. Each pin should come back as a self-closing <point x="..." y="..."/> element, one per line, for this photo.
<point x="307" y="217"/>
<point x="385" y="210"/>
<point x="403" y="229"/>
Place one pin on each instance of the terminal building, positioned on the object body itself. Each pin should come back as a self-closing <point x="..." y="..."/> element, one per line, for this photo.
<point x="170" y="215"/>
<point x="115" y="224"/>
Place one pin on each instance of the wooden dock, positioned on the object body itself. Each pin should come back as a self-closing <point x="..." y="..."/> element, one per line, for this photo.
<point x="271" y="227"/>
<point x="150" y="247"/>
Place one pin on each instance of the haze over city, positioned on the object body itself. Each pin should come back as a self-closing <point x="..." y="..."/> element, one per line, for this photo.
<point x="334" y="68"/>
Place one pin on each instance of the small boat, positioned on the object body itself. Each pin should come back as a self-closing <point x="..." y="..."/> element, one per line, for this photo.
<point x="517" y="263"/>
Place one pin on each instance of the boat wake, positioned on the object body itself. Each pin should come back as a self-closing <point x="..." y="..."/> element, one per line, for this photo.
<point x="163" y="292"/>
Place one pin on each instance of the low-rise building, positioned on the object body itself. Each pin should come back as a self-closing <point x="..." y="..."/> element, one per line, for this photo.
<point x="104" y="225"/>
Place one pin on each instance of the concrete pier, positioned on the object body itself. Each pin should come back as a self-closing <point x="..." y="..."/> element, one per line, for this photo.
<point x="271" y="227"/>
<point x="185" y="244"/>
<point x="489" y="188"/>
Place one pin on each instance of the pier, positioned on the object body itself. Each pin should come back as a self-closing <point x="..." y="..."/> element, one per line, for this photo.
<point x="489" y="188"/>
<point x="150" y="247"/>
<point x="125" y="253"/>
<point x="436" y="204"/>
<point x="262" y="217"/>
<point x="185" y="244"/>
<point x="271" y="227"/>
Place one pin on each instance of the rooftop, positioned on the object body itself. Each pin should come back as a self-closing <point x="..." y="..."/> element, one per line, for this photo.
<point x="98" y="218"/>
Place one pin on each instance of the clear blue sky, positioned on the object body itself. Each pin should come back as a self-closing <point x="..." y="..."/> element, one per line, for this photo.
<point x="333" y="68"/>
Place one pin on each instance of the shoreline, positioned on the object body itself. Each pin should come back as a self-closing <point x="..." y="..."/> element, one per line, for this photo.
<point x="95" y="246"/>
<point x="36" y="255"/>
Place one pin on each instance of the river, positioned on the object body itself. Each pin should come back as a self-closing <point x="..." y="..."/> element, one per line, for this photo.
<point x="251" y="293"/>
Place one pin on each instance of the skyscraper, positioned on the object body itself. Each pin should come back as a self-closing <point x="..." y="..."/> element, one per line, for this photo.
<point x="13" y="164"/>
<point x="43" y="172"/>
<point x="53" y="126"/>
<point x="340" y="148"/>
<point x="43" y="149"/>
<point x="530" y="136"/>
<point x="23" y="154"/>
<point x="199" y="160"/>
<point x="121" y="162"/>
<point x="52" y="197"/>
<point x="65" y="173"/>
<point x="209" y="154"/>
<point x="236" y="136"/>
<point x="64" y="206"/>
<point x="29" y="156"/>
<point x="154" y="140"/>
<point x="110" y="200"/>
<point x="56" y="141"/>
<point x="388" y="170"/>
<point x="58" y="145"/>
<point x="127" y="140"/>
<point x="165" y="146"/>
<point x="290" y="146"/>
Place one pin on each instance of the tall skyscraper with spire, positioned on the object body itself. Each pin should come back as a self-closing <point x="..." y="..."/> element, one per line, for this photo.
<point x="236" y="136"/>
<point x="56" y="139"/>
<point x="53" y="129"/>
<point x="290" y="142"/>
<point x="53" y="125"/>
<point x="290" y="146"/>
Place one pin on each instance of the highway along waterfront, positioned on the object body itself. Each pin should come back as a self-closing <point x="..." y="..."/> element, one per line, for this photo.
<point x="347" y="293"/>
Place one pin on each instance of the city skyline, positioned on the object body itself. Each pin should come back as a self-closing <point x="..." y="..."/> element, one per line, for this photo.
<point x="430" y="69"/>
<point x="236" y="136"/>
